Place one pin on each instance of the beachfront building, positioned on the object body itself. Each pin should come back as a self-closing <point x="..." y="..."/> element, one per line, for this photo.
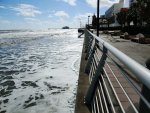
<point x="113" y="10"/>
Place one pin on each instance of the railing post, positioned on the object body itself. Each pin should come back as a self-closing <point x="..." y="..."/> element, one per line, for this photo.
<point x="90" y="57"/>
<point x="89" y="48"/>
<point x="87" y="40"/>
<point x="91" y="90"/>
<point x="146" y="93"/>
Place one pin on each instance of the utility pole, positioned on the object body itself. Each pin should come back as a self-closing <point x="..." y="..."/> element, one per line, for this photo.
<point x="97" y="17"/>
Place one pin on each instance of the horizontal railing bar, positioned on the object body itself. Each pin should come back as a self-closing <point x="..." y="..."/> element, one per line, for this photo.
<point x="97" y="57"/>
<point x="132" y="84"/>
<point x="109" y="98"/>
<point x="91" y="70"/>
<point x="90" y="74"/>
<point x="89" y="53"/>
<point x="129" y="99"/>
<point x="95" y="61"/>
<point x="104" y="99"/>
<point x="122" y="109"/>
<point x="95" y="66"/>
<point x="142" y="73"/>
<point x="98" y="109"/>
<point x="98" y="50"/>
<point x="94" y="106"/>
<point x="102" y="109"/>
<point x="124" y="73"/>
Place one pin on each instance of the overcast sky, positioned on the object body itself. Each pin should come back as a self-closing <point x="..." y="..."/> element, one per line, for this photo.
<point x="43" y="14"/>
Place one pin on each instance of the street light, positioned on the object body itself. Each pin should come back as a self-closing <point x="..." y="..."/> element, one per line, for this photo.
<point x="80" y="22"/>
<point x="97" y="17"/>
<point x="88" y="19"/>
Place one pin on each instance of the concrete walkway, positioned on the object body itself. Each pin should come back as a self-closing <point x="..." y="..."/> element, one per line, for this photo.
<point x="139" y="52"/>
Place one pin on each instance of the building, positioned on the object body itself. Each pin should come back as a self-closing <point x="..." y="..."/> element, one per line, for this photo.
<point x="113" y="10"/>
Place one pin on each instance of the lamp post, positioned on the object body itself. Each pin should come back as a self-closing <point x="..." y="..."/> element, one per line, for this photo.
<point x="80" y="22"/>
<point x="97" y="17"/>
<point x="88" y="20"/>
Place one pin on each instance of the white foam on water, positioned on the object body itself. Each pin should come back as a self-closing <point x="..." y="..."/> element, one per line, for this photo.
<point x="44" y="66"/>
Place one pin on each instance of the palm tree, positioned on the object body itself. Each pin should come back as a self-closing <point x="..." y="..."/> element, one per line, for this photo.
<point x="144" y="10"/>
<point x="121" y="18"/>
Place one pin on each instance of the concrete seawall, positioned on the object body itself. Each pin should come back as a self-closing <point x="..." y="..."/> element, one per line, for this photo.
<point x="83" y="84"/>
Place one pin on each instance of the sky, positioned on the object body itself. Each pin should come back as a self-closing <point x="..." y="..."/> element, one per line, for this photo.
<point x="44" y="14"/>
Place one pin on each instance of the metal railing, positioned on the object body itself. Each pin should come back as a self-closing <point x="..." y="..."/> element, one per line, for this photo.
<point x="118" y="84"/>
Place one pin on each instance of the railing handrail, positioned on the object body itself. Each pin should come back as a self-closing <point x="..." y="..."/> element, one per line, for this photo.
<point x="142" y="73"/>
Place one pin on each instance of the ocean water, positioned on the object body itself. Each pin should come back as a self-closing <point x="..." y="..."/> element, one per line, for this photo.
<point x="39" y="70"/>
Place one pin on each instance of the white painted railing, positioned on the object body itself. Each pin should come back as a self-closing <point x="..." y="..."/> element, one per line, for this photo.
<point x="117" y="82"/>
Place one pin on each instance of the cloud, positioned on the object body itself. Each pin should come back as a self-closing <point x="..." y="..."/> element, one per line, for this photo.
<point x="103" y="3"/>
<point x="36" y="23"/>
<point x="82" y="19"/>
<point x="61" y="14"/>
<point x="50" y="16"/>
<point x="26" y="10"/>
<point x="71" y="2"/>
<point x="31" y="19"/>
<point x="2" y="7"/>
<point x="83" y="16"/>
<point x="4" y="21"/>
